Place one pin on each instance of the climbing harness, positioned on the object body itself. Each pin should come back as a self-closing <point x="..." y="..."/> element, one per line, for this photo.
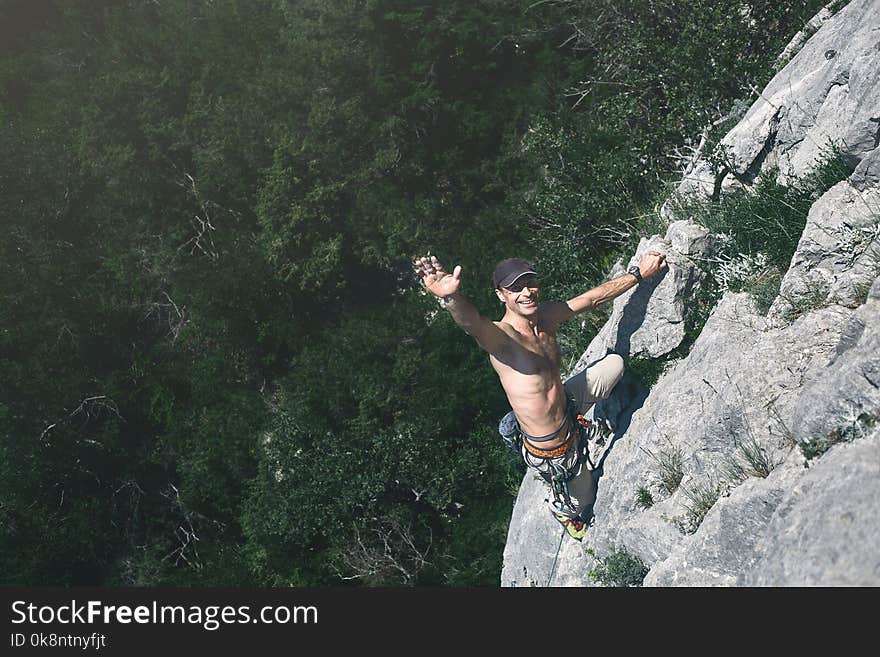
<point x="557" y="466"/>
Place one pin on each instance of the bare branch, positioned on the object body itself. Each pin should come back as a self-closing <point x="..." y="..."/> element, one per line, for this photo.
<point x="185" y="533"/>
<point x="169" y="313"/>
<point x="90" y="408"/>
<point x="201" y="222"/>
<point x="393" y="553"/>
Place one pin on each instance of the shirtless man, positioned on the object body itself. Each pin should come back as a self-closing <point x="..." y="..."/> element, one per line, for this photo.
<point x="522" y="345"/>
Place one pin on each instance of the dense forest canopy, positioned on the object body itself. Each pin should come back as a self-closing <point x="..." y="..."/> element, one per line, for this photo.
<point x="218" y="368"/>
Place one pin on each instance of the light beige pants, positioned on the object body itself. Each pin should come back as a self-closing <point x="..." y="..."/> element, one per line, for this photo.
<point x="596" y="382"/>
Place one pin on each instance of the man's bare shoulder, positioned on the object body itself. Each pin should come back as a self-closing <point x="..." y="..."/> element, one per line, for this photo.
<point x="551" y="313"/>
<point x="506" y="328"/>
<point x="501" y="356"/>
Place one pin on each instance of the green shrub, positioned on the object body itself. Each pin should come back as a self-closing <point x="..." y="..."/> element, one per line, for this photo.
<point x="855" y="425"/>
<point x="647" y="370"/>
<point x="619" y="568"/>
<point x="759" y="227"/>
<point x="764" y="287"/>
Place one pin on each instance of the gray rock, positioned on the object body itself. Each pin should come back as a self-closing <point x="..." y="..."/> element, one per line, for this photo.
<point x="810" y="370"/>
<point x="797" y="527"/>
<point x="741" y="380"/>
<point x="701" y="183"/>
<point x="827" y="97"/>
<point x="690" y="239"/>
<point x="826" y="529"/>
<point x="867" y="173"/>
<point x="849" y="388"/>
<point x="838" y="255"/>
<point x="829" y="94"/>
<point x="648" y="320"/>
<point x="724" y="546"/>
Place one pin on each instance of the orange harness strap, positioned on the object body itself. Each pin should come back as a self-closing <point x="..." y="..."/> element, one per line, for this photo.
<point x="564" y="447"/>
<point x="550" y="453"/>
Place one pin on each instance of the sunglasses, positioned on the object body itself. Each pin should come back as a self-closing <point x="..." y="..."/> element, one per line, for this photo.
<point x="521" y="283"/>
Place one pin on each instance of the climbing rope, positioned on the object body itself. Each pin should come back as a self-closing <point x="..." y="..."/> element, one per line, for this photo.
<point x="556" y="557"/>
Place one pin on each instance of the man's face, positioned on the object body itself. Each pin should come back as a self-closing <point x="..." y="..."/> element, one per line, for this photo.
<point x="522" y="295"/>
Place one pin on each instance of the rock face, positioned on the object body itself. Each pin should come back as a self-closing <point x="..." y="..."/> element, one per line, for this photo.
<point x="761" y="446"/>
<point x="824" y="98"/>
<point x="648" y="320"/>
<point x="850" y="384"/>
<point x="838" y="256"/>
<point x="837" y="501"/>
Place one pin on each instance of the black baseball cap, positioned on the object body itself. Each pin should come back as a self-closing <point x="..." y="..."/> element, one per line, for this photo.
<point x="507" y="271"/>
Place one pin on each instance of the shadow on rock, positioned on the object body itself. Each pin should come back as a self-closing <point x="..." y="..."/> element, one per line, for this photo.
<point x="627" y="397"/>
<point x="634" y="313"/>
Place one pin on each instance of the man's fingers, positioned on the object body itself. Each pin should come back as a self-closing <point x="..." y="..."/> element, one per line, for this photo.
<point x="429" y="267"/>
<point x="655" y="259"/>
<point x="436" y="264"/>
<point x="423" y="269"/>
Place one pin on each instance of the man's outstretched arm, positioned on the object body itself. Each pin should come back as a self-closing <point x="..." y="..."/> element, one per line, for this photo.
<point x="651" y="263"/>
<point x="445" y="287"/>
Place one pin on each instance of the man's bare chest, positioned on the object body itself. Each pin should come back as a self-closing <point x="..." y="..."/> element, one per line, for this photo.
<point x="538" y="352"/>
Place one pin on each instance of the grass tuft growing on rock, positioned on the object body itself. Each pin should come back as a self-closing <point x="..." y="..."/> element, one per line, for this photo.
<point x="861" y="291"/>
<point x="816" y="298"/>
<point x="670" y="463"/>
<point x="701" y="498"/>
<point x="644" y="498"/>
<point x="750" y="459"/>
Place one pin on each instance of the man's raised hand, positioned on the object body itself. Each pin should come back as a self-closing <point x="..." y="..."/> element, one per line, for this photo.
<point x="652" y="263"/>
<point x="437" y="280"/>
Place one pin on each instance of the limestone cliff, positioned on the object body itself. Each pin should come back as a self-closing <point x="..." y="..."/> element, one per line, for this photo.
<point x="795" y="389"/>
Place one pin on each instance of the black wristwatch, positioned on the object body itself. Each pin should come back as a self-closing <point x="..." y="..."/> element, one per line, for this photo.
<point x="635" y="271"/>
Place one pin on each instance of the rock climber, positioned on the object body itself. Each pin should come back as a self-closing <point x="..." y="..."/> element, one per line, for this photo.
<point x="523" y="350"/>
